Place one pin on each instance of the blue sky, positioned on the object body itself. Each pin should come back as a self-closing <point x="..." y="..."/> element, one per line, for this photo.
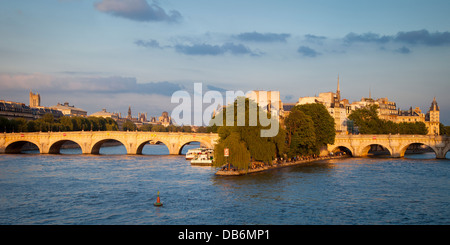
<point x="113" y="54"/>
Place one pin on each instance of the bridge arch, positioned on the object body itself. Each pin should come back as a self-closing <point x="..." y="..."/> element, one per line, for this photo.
<point x="201" y="141"/>
<point x="404" y="148"/>
<point x="55" y="147"/>
<point x="15" y="147"/>
<point x="446" y="151"/>
<point x="342" y="148"/>
<point x="365" y="149"/>
<point x="95" y="149"/>
<point x="142" y="144"/>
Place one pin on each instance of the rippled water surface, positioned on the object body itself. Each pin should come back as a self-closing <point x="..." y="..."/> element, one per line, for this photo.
<point x="121" y="189"/>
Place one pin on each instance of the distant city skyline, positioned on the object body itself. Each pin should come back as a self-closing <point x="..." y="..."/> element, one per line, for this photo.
<point x="113" y="54"/>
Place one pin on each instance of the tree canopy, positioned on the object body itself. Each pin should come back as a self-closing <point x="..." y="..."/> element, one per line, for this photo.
<point x="49" y="123"/>
<point x="324" y="126"/>
<point x="243" y="139"/>
<point x="368" y="122"/>
<point x="66" y="123"/>
<point x="444" y="130"/>
<point x="301" y="136"/>
<point x="308" y="128"/>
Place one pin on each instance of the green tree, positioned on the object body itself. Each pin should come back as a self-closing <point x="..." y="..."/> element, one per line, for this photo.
<point x="301" y="136"/>
<point x="111" y="124"/>
<point x="368" y="122"/>
<point x="31" y="125"/>
<point x="81" y="123"/>
<point x="366" y="119"/>
<point x="66" y="123"/>
<point x="447" y="130"/>
<point x="129" y="126"/>
<point x="239" y="155"/>
<point x="96" y="123"/>
<point x="324" y="126"/>
<point x="390" y="127"/>
<point x="247" y="135"/>
<point x="12" y="126"/>
<point x="146" y="127"/>
<point x="412" y="128"/>
<point x="202" y="129"/>
<point x="159" y="128"/>
<point x="212" y="128"/>
<point x="186" y="129"/>
<point x="4" y="124"/>
<point x="442" y="129"/>
<point x="21" y="124"/>
<point x="48" y="118"/>
<point x="42" y="125"/>
<point x="171" y="128"/>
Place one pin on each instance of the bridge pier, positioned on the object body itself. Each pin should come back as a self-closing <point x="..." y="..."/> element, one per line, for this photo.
<point x="441" y="152"/>
<point x="174" y="148"/>
<point x="396" y="152"/>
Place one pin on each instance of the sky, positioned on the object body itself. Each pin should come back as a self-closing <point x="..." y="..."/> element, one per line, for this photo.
<point x="114" y="54"/>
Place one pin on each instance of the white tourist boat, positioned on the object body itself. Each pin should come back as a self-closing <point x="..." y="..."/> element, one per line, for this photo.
<point x="192" y="152"/>
<point x="204" y="158"/>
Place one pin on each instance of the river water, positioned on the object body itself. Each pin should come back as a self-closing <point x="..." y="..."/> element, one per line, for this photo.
<point x="112" y="189"/>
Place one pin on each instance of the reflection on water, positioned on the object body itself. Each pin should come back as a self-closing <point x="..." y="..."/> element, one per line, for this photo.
<point x="121" y="189"/>
<point x="428" y="155"/>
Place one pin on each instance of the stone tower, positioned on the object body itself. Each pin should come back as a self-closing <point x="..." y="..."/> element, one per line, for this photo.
<point x="129" y="113"/>
<point x="338" y="92"/>
<point x="35" y="99"/>
<point x="432" y="118"/>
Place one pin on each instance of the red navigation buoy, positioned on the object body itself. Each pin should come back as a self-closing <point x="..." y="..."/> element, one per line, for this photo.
<point x="158" y="201"/>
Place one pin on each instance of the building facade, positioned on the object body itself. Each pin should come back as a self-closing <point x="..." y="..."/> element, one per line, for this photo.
<point x="268" y="100"/>
<point x="12" y="110"/>
<point x="340" y="109"/>
<point x="336" y="106"/>
<point x="70" y="110"/>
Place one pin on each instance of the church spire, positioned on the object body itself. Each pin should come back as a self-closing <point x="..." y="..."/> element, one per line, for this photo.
<point x="338" y="94"/>
<point x="338" y="87"/>
<point x="129" y="112"/>
<point x="434" y="105"/>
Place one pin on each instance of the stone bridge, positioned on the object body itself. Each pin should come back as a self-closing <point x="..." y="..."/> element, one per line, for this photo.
<point x="360" y="145"/>
<point x="91" y="141"/>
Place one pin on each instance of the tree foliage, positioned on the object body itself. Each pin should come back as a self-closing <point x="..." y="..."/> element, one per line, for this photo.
<point x="129" y="126"/>
<point x="245" y="141"/>
<point x="48" y="123"/>
<point x="324" y="126"/>
<point x="444" y="130"/>
<point x="368" y="122"/>
<point x="301" y="136"/>
<point x="239" y="154"/>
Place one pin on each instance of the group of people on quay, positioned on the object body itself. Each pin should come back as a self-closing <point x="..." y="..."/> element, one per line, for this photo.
<point x="279" y="162"/>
